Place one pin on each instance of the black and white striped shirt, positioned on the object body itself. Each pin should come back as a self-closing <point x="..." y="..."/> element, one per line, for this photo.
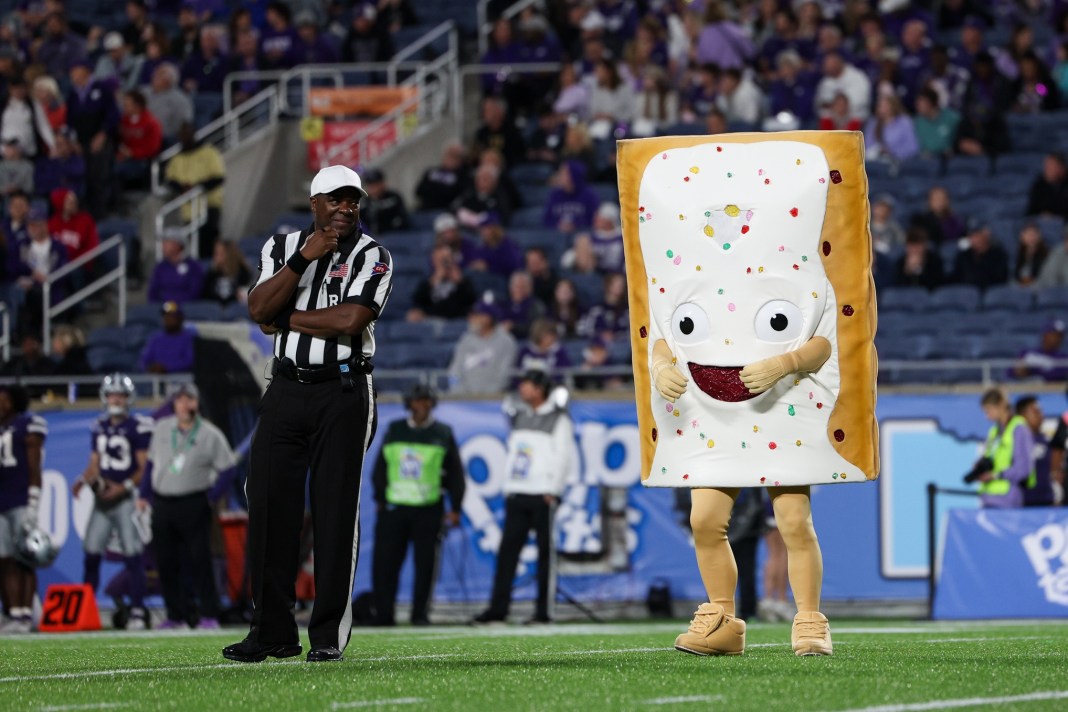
<point x="360" y="272"/>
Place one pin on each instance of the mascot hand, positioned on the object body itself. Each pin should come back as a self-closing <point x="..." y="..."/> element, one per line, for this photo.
<point x="668" y="379"/>
<point x="762" y="375"/>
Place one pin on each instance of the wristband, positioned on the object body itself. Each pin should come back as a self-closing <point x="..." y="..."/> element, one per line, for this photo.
<point x="282" y="320"/>
<point x="128" y="485"/>
<point x="298" y="263"/>
<point x="34" y="497"/>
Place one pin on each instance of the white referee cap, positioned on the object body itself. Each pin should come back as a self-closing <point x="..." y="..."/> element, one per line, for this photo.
<point x="331" y="178"/>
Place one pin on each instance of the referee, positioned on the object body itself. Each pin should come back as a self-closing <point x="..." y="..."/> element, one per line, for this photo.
<point x="318" y="292"/>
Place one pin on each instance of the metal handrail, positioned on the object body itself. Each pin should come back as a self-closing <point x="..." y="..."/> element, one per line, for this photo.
<point x="197" y="201"/>
<point x="157" y="381"/>
<point x="5" y="333"/>
<point x="448" y="27"/>
<point x="116" y="275"/>
<point x="228" y="130"/>
<point x="485" y="27"/>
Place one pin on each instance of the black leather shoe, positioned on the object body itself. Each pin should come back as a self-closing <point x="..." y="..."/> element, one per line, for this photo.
<point x="248" y="651"/>
<point x="327" y="654"/>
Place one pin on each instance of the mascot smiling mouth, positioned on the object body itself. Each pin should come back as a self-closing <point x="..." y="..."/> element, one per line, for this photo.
<point x="721" y="383"/>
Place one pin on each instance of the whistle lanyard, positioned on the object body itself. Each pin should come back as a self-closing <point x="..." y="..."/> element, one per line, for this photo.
<point x="178" y="456"/>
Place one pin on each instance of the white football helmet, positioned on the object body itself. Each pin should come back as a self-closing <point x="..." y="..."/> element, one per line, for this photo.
<point x="117" y="383"/>
<point x="34" y="548"/>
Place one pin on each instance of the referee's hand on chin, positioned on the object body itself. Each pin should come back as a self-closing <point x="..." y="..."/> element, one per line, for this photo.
<point x="321" y="242"/>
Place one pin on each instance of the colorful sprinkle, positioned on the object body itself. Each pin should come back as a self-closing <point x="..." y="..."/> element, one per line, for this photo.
<point x="702" y="436"/>
<point x="670" y="253"/>
<point x="772" y="445"/>
<point x="834" y="476"/>
<point x="676" y="413"/>
<point x="799" y="161"/>
<point x="678" y="260"/>
<point x="767" y="181"/>
<point x="643" y="332"/>
<point x="678" y="431"/>
<point x="664" y="156"/>
<point x="641" y="209"/>
<point x="796" y="266"/>
<point x="797" y="381"/>
<point x="756" y="428"/>
<point x="793" y="212"/>
<point x="797" y="442"/>
<point x="641" y="219"/>
<point x="836" y="177"/>
<point x="654" y="429"/>
<point x="839" y="435"/>
<point x="815" y="296"/>
<point x="695" y="170"/>
<point x="819" y="406"/>
<point x="654" y="280"/>
<point x="760" y="269"/>
<point x="730" y="175"/>
<point x="811" y="395"/>
<point x="826" y="248"/>
<point x="749" y="270"/>
<point x="847" y="310"/>
<point x="708" y="213"/>
<point x="698" y="268"/>
<point x="743" y="444"/>
<point x="669" y="407"/>
<point x="663" y="470"/>
<point x="843" y="475"/>
<point x="760" y="172"/>
<point x="782" y="248"/>
<point x="719" y="149"/>
<point x="711" y="443"/>
<point x="823" y="180"/>
<point x="694" y="424"/>
<point x="730" y="307"/>
<point x="791" y="410"/>
<point x="681" y="216"/>
<point x="686" y="179"/>
<point x="726" y="245"/>
<point x="748" y="215"/>
<point x="804" y="258"/>
<point x="648" y="216"/>
<point x="727" y="342"/>
<point x="732" y="211"/>
<point x="719" y="291"/>
<point x="776" y="483"/>
<point x="745" y="229"/>
<point x="763" y="480"/>
<point x="685" y="477"/>
<point x="661" y="290"/>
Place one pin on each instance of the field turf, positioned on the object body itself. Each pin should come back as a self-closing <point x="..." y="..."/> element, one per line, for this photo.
<point x="883" y="666"/>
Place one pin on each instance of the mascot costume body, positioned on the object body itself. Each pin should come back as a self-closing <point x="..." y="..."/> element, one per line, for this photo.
<point x="753" y="309"/>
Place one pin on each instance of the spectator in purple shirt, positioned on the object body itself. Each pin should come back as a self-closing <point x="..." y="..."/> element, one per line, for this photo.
<point x="783" y="39"/>
<point x="503" y="49"/>
<point x="722" y="41"/>
<point x="522" y="307"/>
<point x="915" y="58"/>
<point x="496" y="252"/>
<point x="93" y="114"/>
<point x="177" y="278"/>
<point x="794" y="89"/>
<point x="204" y="69"/>
<point x="889" y="134"/>
<point x="60" y="48"/>
<point x="315" y="47"/>
<point x="572" y="204"/>
<point x="1039" y="362"/>
<point x="169" y="350"/>
<point x="606" y="239"/>
<point x="279" y="43"/>
<point x="543" y="351"/>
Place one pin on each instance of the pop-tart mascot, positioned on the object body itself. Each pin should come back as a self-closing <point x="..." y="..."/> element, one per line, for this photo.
<point x="753" y="313"/>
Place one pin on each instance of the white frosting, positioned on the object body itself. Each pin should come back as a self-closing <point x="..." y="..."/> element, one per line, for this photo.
<point x="731" y="285"/>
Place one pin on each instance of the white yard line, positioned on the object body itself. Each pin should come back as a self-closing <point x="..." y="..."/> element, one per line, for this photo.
<point x="966" y="702"/>
<point x="376" y="703"/>
<point x="682" y="700"/>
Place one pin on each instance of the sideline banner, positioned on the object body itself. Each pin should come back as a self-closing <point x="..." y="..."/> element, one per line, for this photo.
<point x="1004" y="563"/>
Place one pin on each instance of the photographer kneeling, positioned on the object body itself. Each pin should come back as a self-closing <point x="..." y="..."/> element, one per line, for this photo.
<point x="1007" y="467"/>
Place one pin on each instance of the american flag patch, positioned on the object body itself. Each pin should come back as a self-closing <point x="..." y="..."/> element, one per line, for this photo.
<point x="379" y="268"/>
<point x="339" y="272"/>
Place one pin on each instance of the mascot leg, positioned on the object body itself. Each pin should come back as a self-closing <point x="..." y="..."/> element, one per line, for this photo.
<point x="811" y="633"/>
<point x="714" y="630"/>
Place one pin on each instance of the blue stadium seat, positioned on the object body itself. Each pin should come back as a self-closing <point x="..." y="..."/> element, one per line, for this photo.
<point x="235" y="311"/>
<point x="1008" y="297"/>
<point x="1024" y="163"/>
<point x="206" y="107"/>
<point x="489" y="282"/>
<point x="590" y="288"/>
<point x="527" y="217"/>
<point x="1051" y="227"/>
<point x="1048" y="298"/>
<point x="909" y="299"/>
<point x="423" y="219"/>
<point x="527" y="173"/>
<point x="106" y="336"/>
<point x="991" y="346"/>
<point x="619" y="350"/>
<point x="452" y="329"/>
<point x="410" y="331"/>
<point x="290" y="222"/>
<point x="202" y="311"/>
<point x="919" y="167"/>
<point x="573" y="348"/>
<point x="956" y="297"/>
<point x="147" y="314"/>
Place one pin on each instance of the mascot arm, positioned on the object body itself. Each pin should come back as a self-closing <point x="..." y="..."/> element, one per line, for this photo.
<point x="668" y="379"/>
<point x="762" y="375"/>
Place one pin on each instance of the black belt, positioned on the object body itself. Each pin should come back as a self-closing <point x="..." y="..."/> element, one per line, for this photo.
<point x="320" y="374"/>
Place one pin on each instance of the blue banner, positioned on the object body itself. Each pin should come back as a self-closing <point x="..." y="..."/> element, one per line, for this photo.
<point x="1004" y="563"/>
<point x="873" y="536"/>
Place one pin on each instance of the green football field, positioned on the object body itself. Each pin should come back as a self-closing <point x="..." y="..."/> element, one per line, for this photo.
<point x="877" y="666"/>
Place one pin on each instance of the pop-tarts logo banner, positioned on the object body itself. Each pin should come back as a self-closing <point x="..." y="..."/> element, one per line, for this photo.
<point x="1004" y="563"/>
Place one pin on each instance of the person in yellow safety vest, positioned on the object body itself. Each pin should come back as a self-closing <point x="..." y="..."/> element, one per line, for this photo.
<point x="1010" y="447"/>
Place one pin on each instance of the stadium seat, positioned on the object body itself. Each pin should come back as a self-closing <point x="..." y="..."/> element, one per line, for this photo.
<point x="410" y="331"/>
<point x="147" y="314"/>
<point x="908" y="299"/>
<point x="452" y="329"/>
<point x="573" y="348"/>
<point x="1007" y="297"/>
<point x="527" y="173"/>
<point x="1048" y="298"/>
<point x="202" y="311"/>
<point x="956" y="297"/>
<point x="290" y="222"/>
<point x="423" y="219"/>
<point x="207" y="106"/>
<point x="590" y="288"/>
<point x="527" y="217"/>
<point x="489" y="282"/>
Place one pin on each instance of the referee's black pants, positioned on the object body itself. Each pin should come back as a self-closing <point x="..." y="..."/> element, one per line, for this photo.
<point x="181" y="534"/>
<point x="523" y="512"/>
<point x="397" y="525"/>
<point x="326" y="428"/>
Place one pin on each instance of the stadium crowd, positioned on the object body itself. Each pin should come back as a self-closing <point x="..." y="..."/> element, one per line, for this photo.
<point x="524" y="213"/>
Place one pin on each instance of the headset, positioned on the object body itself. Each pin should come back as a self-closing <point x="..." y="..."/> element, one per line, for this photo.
<point x="419" y="391"/>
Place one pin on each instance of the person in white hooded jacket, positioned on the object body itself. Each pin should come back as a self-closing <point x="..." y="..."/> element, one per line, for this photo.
<point x="537" y="466"/>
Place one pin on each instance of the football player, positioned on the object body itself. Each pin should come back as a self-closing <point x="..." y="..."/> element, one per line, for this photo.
<point x="22" y="437"/>
<point x="119" y="450"/>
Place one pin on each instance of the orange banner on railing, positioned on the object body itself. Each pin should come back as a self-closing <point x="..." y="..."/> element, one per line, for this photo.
<point x="360" y="101"/>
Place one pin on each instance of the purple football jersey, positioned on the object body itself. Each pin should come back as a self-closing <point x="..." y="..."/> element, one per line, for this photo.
<point x="117" y="444"/>
<point x="14" y="473"/>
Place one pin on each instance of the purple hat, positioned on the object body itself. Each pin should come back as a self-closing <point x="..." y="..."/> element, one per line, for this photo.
<point x="487" y="308"/>
<point x="83" y="62"/>
<point x="1055" y="325"/>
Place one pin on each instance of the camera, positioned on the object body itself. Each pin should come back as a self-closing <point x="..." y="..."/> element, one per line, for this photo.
<point x="984" y="464"/>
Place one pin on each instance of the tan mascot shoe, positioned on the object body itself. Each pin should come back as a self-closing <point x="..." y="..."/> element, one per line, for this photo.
<point x="713" y="632"/>
<point x="811" y="634"/>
